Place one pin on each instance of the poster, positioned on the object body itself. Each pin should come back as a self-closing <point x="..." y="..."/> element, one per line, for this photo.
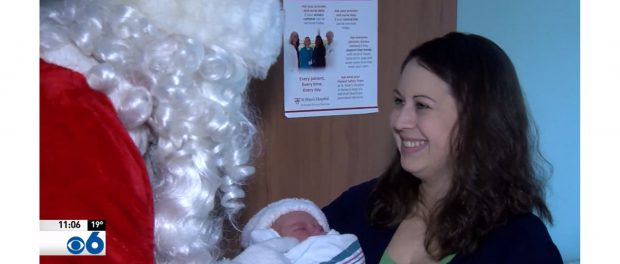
<point x="330" y="57"/>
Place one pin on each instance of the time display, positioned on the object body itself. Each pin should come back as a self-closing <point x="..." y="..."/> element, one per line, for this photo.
<point x="69" y="224"/>
<point x="71" y="237"/>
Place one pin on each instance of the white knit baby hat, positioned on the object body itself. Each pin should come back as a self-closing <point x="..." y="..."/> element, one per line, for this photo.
<point x="266" y="216"/>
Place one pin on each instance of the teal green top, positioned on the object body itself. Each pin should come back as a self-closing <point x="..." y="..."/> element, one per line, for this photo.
<point x="386" y="259"/>
<point x="447" y="259"/>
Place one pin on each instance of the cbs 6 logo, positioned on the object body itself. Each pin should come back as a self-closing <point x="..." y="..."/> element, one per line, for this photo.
<point x="94" y="244"/>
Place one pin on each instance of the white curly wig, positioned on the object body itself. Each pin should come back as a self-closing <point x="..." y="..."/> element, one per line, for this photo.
<point x="176" y="72"/>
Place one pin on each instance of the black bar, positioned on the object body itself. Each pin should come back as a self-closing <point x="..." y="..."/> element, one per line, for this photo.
<point x="93" y="227"/>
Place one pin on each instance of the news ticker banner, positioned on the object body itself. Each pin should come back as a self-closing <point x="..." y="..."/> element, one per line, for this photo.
<point x="72" y="237"/>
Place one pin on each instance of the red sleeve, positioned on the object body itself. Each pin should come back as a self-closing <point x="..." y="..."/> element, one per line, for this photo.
<point x="90" y="168"/>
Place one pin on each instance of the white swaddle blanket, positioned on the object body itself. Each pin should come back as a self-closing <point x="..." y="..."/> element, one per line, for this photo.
<point x="331" y="248"/>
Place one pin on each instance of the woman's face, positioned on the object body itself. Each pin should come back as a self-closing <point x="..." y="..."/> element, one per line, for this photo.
<point x="307" y="42"/>
<point x="294" y="38"/>
<point x="422" y="118"/>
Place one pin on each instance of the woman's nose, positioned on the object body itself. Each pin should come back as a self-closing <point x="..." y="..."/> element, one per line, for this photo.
<point x="404" y="118"/>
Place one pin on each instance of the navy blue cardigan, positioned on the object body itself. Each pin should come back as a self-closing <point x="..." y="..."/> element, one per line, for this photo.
<point x="524" y="239"/>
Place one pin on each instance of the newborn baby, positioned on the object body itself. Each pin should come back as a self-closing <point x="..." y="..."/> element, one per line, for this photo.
<point x="304" y="221"/>
<point x="297" y="224"/>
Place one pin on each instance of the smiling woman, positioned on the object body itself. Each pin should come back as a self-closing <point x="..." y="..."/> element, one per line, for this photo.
<point x="423" y="117"/>
<point x="463" y="186"/>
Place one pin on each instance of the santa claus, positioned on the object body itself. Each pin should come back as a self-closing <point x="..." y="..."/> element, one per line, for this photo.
<point x="144" y="119"/>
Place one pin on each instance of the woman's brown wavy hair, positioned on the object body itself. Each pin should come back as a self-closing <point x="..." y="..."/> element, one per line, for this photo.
<point x="495" y="174"/>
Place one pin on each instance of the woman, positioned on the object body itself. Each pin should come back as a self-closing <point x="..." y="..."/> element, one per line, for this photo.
<point x="292" y="50"/>
<point x="318" y="56"/>
<point x="305" y="54"/>
<point x="463" y="186"/>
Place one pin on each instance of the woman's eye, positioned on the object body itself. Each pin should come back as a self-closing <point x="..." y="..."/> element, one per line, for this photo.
<point x="398" y="101"/>
<point x="419" y="105"/>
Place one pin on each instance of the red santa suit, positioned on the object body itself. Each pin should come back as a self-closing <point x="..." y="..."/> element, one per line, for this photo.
<point x="91" y="169"/>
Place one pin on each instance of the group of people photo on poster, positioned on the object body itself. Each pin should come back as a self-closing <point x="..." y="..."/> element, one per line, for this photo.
<point x="309" y="54"/>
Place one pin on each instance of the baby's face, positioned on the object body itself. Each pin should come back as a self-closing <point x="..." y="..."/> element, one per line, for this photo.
<point x="298" y="224"/>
